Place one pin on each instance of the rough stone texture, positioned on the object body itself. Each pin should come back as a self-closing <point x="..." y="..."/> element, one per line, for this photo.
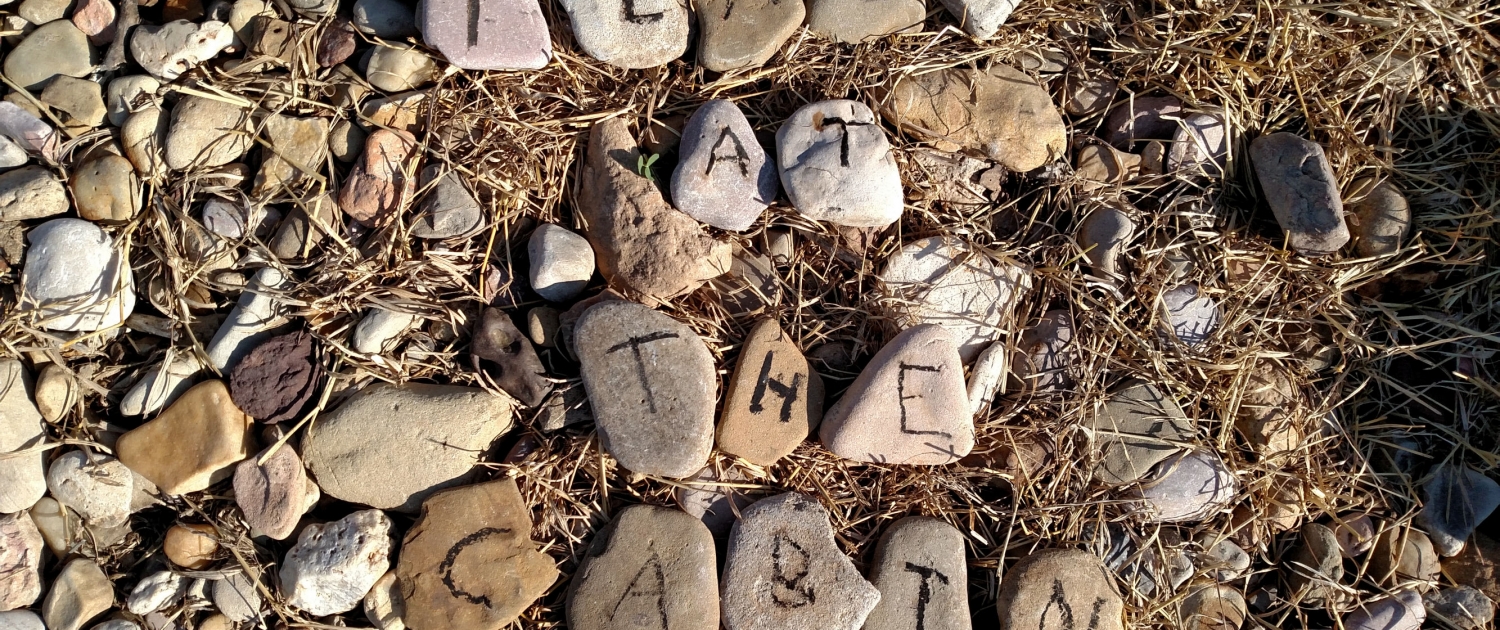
<point x="169" y="50"/>
<point x="1100" y="165"/>
<point x="1268" y="412"/>
<point x="304" y="227"/>
<point x="562" y="262"/>
<point x="337" y="43"/>
<point x="359" y="455"/>
<point x="744" y="34"/>
<point x="1302" y="190"/>
<point x="20" y="561"/>
<point x="1088" y="95"/>
<point x="252" y="320"/>
<point x="74" y="279"/>
<point x="206" y="132"/>
<point x="986" y="378"/>
<point x="96" y="486"/>
<point x="1222" y="558"/>
<point x="193" y="444"/>
<point x="853" y="21"/>
<point x="80" y="593"/>
<point x="298" y="149"/>
<point x="1455" y="501"/>
<point x="54" y="49"/>
<point x="953" y="178"/>
<point x="333" y="565"/>
<point x="981" y="18"/>
<point x="651" y="383"/>
<point x="378" y="185"/>
<point x="1214" y="607"/>
<point x="1103" y="236"/>
<point x="500" y="350"/>
<point x="922" y="576"/>
<point x="384" y="606"/>
<point x="640" y="242"/>
<point x="1463" y="607"/>
<point x="380" y="330"/>
<point x="79" y="103"/>
<point x="1478" y="565"/>
<point x="1380" y="217"/>
<point x="784" y="570"/>
<point x="31" y="192"/>
<point x="1138" y="427"/>
<point x="96" y="18"/>
<point x="1188" y="487"/>
<point x="1142" y="119"/>
<point x="276" y="380"/>
<point x="106" y="189"/>
<point x="43" y="11"/>
<point x="774" y="400"/>
<point x="23" y="480"/>
<point x="1001" y="113"/>
<point x="630" y="34"/>
<point x="399" y="67"/>
<point x="1405" y="551"/>
<point x="347" y="141"/>
<point x="1316" y="567"/>
<point x="238" y="597"/>
<point x="449" y="209"/>
<point x="1192" y="315"/>
<point x="1046" y="354"/>
<point x="1401" y="611"/>
<point x="723" y="177"/>
<point x="512" y="34"/>
<point x="402" y="112"/>
<point x="650" y="565"/>
<point x="836" y="165"/>
<point x="272" y="496"/>
<point x="910" y="405"/>
<point x="1200" y="146"/>
<point x="942" y="281"/>
<point x="155" y="592"/>
<point x="1048" y="589"/>
<point x="469" y="561"/>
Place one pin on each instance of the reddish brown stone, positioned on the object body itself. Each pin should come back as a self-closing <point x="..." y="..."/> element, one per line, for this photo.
<point x="189" y="10"/>
<point x="276" y="380"/>
<point x="378" y="185"/>
<point x="336" y="43"/>
<point x="1476" y="565"/>
<point x="506" y="355"/>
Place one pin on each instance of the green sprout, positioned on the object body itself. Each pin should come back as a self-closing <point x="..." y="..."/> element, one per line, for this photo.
<point x="643" y="166"/>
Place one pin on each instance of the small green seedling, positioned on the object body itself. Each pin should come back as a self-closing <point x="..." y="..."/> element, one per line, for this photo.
<point x="643" y="166"/>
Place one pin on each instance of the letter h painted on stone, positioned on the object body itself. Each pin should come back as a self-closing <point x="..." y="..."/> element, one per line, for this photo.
<point x="787" y="392"/>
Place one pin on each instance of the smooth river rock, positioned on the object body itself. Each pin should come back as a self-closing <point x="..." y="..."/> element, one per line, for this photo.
<point x="923" y="577"/>
<point x="1302" y="190"/>
<point x="23" y="479"/>
<point x="944" y="281"/>
<point x="1454" y="502"/>
<point x="630" y="34"/>
<point x="981" y="18"/>
<point x="274" y="495"/>
<point x="562" y="262"/>
<point x="193" y="444"/>
<point x="207" y="132"/>
<point x="54" y="49"/>
<point x="1002" y="114"/>
<point x="80" y="593"/>
<point x="738" y="34"/>
<point x="1187" y="488"/>
<point x="1381" y="217"/>
<point x="853" y="21"/>
<point x="723" y="177"/>
<point x="31" y="192"/>
<point x="487" y="35"/>
<point x="774" y="399"/>
<point x="1137" y="428"/>
<point x="651" y="565"/>
<point x="74" y="278"/>
<point x="836" y="165"/>
<point x="1056" y="589"/>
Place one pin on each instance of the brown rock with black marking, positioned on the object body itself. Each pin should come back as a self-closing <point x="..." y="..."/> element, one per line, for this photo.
<point x="651" y="567"/>
<point x="775" y="400"/>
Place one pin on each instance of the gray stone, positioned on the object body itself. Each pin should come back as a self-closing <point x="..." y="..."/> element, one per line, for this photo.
<point x="359" y="455"/>
<point x="31" y="192"/>
<point x="1463" y="607"/>
<point x="80" y="593"/>
<point x="346" y="142"/>
<point x="562" y="262"/>
<point x="237" y="596"/>
<point x="1355" y="533"/>
<point x="981" y="18"/>
<point x="513" y="33"/>
<point x="207" y="132"/>
<point x="155" y="592"/>
<point x="1192" y="316"/>
<point x="1141" y="119"/>
<point x="20" y="562"/>
<point x="253" y="319"/>
<point x="630" y="34"/>
<point x="43" y="11"/>
<point x="1222" y="558"/>
<point x="96" y="486"/>
<point x="1200" y="146"/>
<point x="161" y="384"/>
<point x="1314" y="570"/>
<point x="723" y="178"/>
<point x="54" y="49"/>
<point x="986" y="378"/>
<point x="384" y="605"/>
<point x="1187" y="488"/>
<point x="386" y="19"/>
<point x="449" y="210"/>
<point x="20" y="620"/>
<point x="853" y="21"/>
<point x="380" y="330"/>
<point x="1046" y="354"/>
<point x="1402" y="610"/>
<point x="170" y="50"/>
<point x="1302" y="190"/>
<point x="1381" y="217"/>
<point x="922" y="576"/>
<point x="651" y="383"/>
<point x="505" y="355"/>
<point x="1088" y="95"/>
<point x="12" y="154"/>
<point x="25" y="129"/>
<point x="233" y="220"/>
<point x="1138" y="427"/>
<point x="649" y="565"/>
<point x="79" y="102"/>
<point x="1213" y="607"/>
<point x="1040" y="586"/>
<point x="1454" y="502"/>
<point x="274" y="495"/>
<point x="23" y="479"/>
<point x="333" y="565"/>
<point x="909" y="406"/>
<point x="121" y="95"/>
<point x="944" y="281"/>
<point x="399" y="68"/>
<point x="1103" y="236"/>
<point x="74" y="279"/>
<point x="836" y="165"/>
<point x="744" y="34"/>
<point x="784" y="570"/>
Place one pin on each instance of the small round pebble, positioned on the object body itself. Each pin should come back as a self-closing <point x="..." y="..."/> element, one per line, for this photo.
<point x="191" y="546"/>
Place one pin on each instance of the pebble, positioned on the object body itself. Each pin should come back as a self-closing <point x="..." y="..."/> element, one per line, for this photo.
<point x="230" y="219"/>
<point x="313" y="8"/>
<point x="74" y="278"/>
<point x="1302" y="190"/>
<point x="1046" y="354"/>
<point x="449" y="209"/>
<point x="469" y="561"/>
<point x="1104" y="236"/>
<point x="723" y="177"/>
<point x="59" y="526"/>
<point x="192" y="444"/>
<point x="31" y="192"/>
<point x="944" y="281"/>
<point x="380" y="330"/>
<point x="273" y="496"/>
<point x="106" y="189"/>
<point x="206" y="132"/>
<point x="402" y="112"/>
<point x="1188" y="487"/>
<point x="161" y="384"/>
<point x="358" y="455"/>
<point x="238" y="597"/>
<point x="80" y="593"/>
<point x="1222" y="558"/>
<point x="1405" y="551"/>
<point x="386" y="19"/>
<point x="630" y="34"/>
<point x="986" y="378"/>
<point x="783" y="569"/>
<point x="1141" y="119"/>
<point x="1213" y="607"/>
<point x="143" y="135"/>
<point x="1381" y="217"/>
<point x="739" y="35"/>
<point x="54" y="49"/>
<point x="96" y="18"/>
<point x="1200" y="146"/>
<point x="20" y="562"/>
<point x="1192" y="315"/>
<point x="514" y="35"/>
<point x="1138" y="427"/>
<point x="1266" y="416"/>
<point x="96" y="486"/>
<point x="1001" y="113"/>
<point x="337" y="44"/>
<point x="297" y="148"/>
<point x="981" y="18"/>
<point x="1059" y="585"/>
<point x="1088" y="95"/>
<point x="853" y="21"/>
<point x="922" y="576"/>
<point x="910" y="405"/>
<point x="501" y="351"/>
<point x="25" y="129"/>
<point x="1100" y="165"/>
<point x="254" y="316"/>
<point x="20" y="620"/>
<point x="774" y="400"/>
<point x="1476" y="565"/>
<point x="170" y="50"/>
<point x="378" y="186"/>
<point x="1355" y="533"/>
<point x="1401" y="611"/>
<point x="652" y="384"/>
<point x="242" y="14"/>
<point x="346" y="142"/>
<point x="384" y="605"/>
<point x="1463" y="607"/>
<point x="333" y="565"/>
<point x="155" y="592"/>
<point x="43" y="11"/>
<point x="305" y="227"/>
<point x="649" y="565"/>
<point x="1316" y="567"/>
<point x="642" y="243"/>
<point x="399" y="67"/>
<point x="23" y="479"/>
<point x="191" y="547"/>
<point x="1454" y="502"/>
<point x="836" y="165"/>
<point x="562" y="262"/>
<point x="79" y="102"/>
<point x="275" y="381"/>
<point x="12" y="154"/>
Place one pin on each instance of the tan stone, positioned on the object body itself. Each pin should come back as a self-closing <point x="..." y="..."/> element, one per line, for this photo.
<point x="651" y="564"/>
<point x="105" y="189"/>
<point x="398" y="111"/>
<point x="774" y="400"/>
<point x="1031" y="590"/>
<point x="469" y="561"/>
<point x="1404" y="551"/>
<point x="191" y="546"/>
<point x="381" y="183"/>
<point x="1268" y="409"/>
<point x="193" y="444"/>
<point x="80" y="593"/>
<point x="1001" y="113"/>
<point x="1099" y="164"/>
<point x="298" y="147"/>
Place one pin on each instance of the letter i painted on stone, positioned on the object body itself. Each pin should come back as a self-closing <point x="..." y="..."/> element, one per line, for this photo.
<point x="634" y="345"/>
